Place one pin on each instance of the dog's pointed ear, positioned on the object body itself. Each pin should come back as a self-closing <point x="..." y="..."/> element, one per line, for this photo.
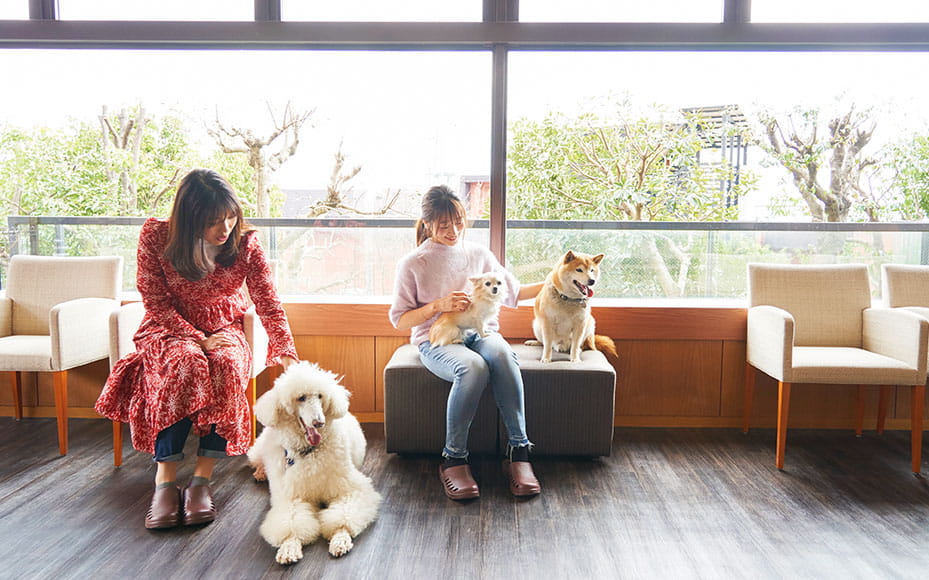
<point x="474" y="279"/>
<point x="597" y="258"/>
<point x="268" y="409"/>
<point x="568" y="257"/>
<point x="337" y="402"/>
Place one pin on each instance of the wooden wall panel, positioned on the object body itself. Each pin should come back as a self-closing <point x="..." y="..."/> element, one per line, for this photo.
<point x="668" y="378"/>
<point x="682" y="364"/>
<point x="384" y="347"/>
<point x="732" y="385"/>
<point x="351" y="356"/>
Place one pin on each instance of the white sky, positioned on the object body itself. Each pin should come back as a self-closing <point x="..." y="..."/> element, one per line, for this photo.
<point x="412" y="116"/>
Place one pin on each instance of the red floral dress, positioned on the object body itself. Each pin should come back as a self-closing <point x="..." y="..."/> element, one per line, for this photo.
<point x="169" y="377"/>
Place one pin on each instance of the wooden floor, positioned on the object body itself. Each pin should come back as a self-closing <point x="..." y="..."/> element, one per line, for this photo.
<point x="669" y="503"/>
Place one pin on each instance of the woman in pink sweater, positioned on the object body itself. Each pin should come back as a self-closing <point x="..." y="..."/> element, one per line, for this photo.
<point x="433" y="279"/>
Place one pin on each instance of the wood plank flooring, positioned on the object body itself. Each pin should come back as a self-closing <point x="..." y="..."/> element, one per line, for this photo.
<point x="669" y="503"/>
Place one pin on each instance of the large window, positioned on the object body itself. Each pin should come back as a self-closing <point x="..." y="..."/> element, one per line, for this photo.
<point x="591" y="136"/>
<point x="13" y="10"/>
<point x="208" y="10"/>
<point x="840" y="11"/>
<point x="621" y="11"/>
<point x="710" y="136"/>
<point x="383" y="10"/>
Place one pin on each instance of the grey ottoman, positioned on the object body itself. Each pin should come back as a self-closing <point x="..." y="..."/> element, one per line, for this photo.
<point x="569" y="406"/>
<point x="414" y="409"/>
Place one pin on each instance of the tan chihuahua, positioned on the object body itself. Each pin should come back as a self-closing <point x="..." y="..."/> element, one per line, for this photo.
<point x="486" y="295"/>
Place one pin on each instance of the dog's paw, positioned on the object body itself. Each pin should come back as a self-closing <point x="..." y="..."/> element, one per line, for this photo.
<point x="545" y="359"/>
<point x="259" y="473"/>
<point x="532" y="343"/>
<point x="290" y="551"/>
<point x="340" y="544"/>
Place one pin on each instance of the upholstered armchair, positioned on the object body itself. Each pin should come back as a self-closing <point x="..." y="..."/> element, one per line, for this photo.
<point x="53" y="318"/>
<point x="815" y="324"/>
<point x="125" y="321"/>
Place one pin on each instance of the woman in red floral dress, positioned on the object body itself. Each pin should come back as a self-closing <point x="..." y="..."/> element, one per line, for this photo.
<point x="192" y="364"/>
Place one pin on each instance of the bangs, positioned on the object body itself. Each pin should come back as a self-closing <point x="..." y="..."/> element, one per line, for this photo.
<point x="451" y="212"/>
<point x="220" y="208"/>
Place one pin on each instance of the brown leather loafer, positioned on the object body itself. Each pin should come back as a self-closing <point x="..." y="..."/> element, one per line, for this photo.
<point x="458" y="482"/>
<point x="198" y="505"/>
<point x="521" y="478"/>
<point x="165" y="511"/>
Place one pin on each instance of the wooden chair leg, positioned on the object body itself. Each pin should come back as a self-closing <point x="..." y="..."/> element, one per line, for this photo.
<point x="859" y="411"/>
<point x="60" y="380"/>
<point x="749" y="395"/>
<point x="117" y="443"/>
<point x="783" y="409"/>
<point x="16" y="381"/>
<point x="882" y="401"/>
<point x="251" y="392"/>
<point x="916" y="425"/>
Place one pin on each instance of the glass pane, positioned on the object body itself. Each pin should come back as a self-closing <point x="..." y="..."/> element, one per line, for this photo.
<point x="621" y="11"/>
<point x="840" y="11"/>
<point x="638" y="264"/>
<point x="375" y="131"/>
<point x="14" y="9"/>
<point x="382" y="11"/>
<point x="174" y="10"/>
<point x="715" y="137"/>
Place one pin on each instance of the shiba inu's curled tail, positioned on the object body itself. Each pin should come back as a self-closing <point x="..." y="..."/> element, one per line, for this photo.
<point x="606" y="345"/>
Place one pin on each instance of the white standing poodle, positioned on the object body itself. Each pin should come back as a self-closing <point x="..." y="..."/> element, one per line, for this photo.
<point x="310" y="451"/>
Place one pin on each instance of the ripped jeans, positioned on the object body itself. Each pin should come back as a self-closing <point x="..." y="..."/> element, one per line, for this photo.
<point x="470" y="367"/>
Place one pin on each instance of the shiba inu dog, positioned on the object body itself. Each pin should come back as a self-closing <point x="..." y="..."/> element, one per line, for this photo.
<point x="563" y="321"/>
<point x="486" y="296"/>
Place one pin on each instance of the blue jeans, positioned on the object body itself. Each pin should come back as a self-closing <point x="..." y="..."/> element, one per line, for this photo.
<point x="169" y="444"/>
<point x="470" y="367"/>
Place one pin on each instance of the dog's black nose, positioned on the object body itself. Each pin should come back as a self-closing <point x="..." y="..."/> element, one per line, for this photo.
<point x="590" y="282"/>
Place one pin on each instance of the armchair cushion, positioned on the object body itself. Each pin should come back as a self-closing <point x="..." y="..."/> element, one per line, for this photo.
<point x="821" y="318"/>
<point x="26" y="352"/>
<point x="769" y="342"/>
<point x="79" y="331"/>
<point x="848" y="366"/>
<point x="6" y="316"/>
<point x="37" y="283"/>
<point x="905" y="285"/>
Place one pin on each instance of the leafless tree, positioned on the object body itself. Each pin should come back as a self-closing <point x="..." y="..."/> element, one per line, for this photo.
<point x="337" y="192"/>
<point x="257" y="148"/>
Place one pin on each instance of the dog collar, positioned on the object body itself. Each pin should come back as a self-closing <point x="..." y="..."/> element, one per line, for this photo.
<point x="303" y="452"/>
<point x="568" y="299"/>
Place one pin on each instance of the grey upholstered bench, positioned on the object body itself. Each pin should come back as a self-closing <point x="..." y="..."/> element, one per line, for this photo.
<point x="569" y="406"/>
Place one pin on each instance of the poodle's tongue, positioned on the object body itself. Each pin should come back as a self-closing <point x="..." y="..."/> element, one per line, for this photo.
<point x="312" y="436"/>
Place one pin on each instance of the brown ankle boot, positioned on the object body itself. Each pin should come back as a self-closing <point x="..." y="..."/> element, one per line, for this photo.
<point x="521" y="478"/>
<point x="458" y="482"/>
<point x="165" y="511"/>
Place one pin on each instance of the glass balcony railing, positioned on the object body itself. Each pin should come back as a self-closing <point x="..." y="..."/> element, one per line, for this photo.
<point x="355" y="259"/>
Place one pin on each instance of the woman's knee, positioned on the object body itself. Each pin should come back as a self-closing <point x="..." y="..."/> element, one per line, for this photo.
<point x="473" y="370"/>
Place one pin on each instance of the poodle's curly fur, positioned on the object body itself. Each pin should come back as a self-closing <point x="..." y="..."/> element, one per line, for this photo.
<point x="311" y="450"/>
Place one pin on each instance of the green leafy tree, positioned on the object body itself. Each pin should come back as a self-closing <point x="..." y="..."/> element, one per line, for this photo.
<point x="909" y="163"/>
<point x="619" y="164"/>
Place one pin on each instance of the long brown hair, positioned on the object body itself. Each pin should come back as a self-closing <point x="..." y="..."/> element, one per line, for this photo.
<point x="203" y="197"/>
<point x="439" y="203"/>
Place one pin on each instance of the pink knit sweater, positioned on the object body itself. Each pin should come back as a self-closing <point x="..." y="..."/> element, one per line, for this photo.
<point x="433" y="271"/>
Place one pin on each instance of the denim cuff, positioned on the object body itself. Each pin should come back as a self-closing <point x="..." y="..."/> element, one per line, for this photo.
<point x="175" y="457"/>
<point x="211" y="453"/>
